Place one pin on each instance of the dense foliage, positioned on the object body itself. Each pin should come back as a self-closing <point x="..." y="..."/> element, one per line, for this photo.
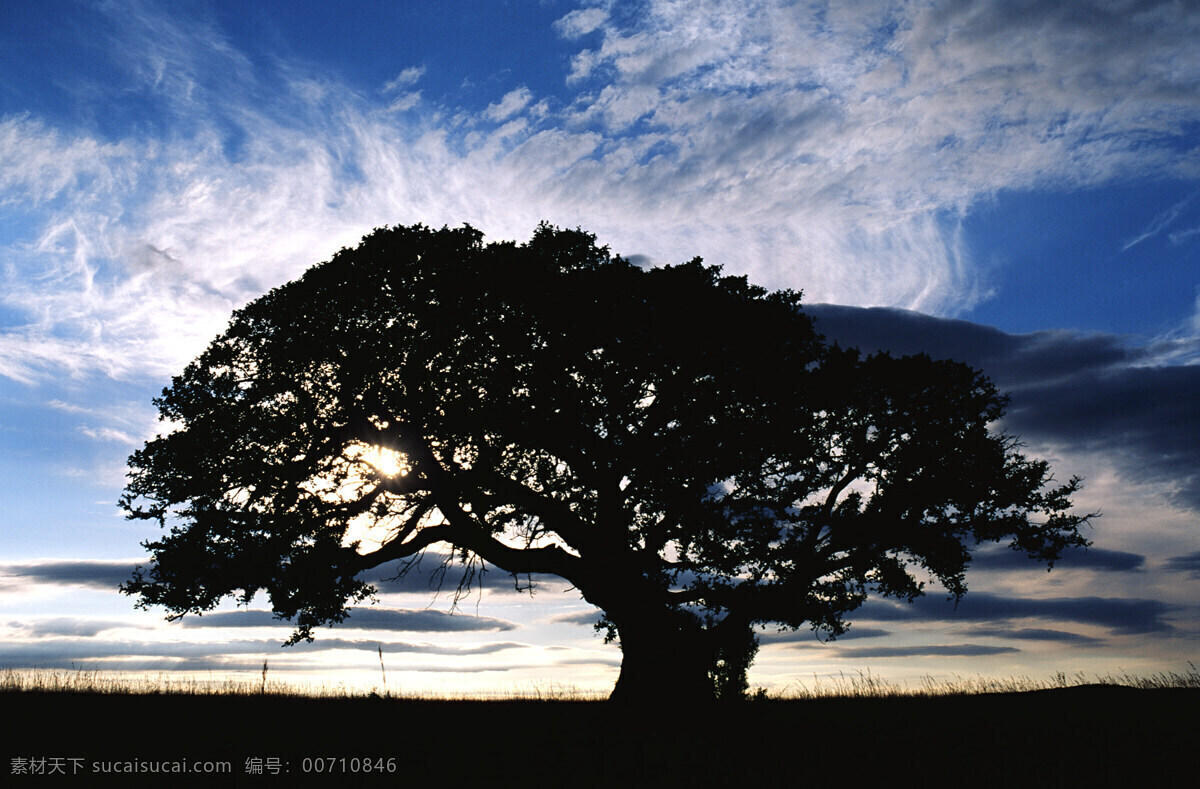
<point x="681" y="446"/>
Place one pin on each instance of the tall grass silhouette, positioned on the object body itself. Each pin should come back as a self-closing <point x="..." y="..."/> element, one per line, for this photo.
<point x="856" y="685"/>
<point x="863" y="684"/>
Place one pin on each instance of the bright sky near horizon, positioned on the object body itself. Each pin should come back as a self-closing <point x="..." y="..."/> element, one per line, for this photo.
<point x="1012" y="184"/>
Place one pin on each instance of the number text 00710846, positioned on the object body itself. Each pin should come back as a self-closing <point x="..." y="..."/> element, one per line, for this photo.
<point x="342" y="764"/>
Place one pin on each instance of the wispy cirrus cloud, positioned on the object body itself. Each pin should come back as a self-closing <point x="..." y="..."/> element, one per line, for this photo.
<point x="1179" y="236"/>
<point x="1159" y="224"/>
<point x="110" y="434"/>
<point x="803" y="145"/>
<point x="580" y="22"/>
<point x="405" y="79"/>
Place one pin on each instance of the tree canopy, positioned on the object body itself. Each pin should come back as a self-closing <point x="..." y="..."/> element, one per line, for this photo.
<point x="681" y="446"/>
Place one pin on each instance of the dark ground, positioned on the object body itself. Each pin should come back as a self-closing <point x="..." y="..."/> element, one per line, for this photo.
<point x="1088" y="736"/>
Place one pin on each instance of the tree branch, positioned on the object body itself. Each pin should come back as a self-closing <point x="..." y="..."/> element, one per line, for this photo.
<point x="556" y="514"/>
<point x="550" y="560"/>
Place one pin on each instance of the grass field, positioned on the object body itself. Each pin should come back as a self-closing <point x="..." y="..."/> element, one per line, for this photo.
<point x="861" y="684"/>
<point x="852" y="730"/>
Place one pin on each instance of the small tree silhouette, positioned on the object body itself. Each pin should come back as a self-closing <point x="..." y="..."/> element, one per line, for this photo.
<point x="680" y="446"/>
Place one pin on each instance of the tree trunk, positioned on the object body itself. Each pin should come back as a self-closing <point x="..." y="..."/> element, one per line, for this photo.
<point x="665" y="657"/>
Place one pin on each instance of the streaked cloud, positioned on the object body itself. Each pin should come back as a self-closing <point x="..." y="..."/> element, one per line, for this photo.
<point x="96" y="574"/>
<point x="110" y="434"/>
<point x="807" y="636"/>
<point x="81" y="627"/>
<point x="583" y="618"/>
<point x="363" y="618"/>
<point x="1159" y="224"/>
<point x="1187" y="563"/>
<point x="1036" y="634"/>
<point x="1121" y="616"/>
<point x="428" y="580"/>
<point x="1099" y="559"/>
<point x="928" y="650"/>
<point x="70" y="652"/>
<point x="1179" y="236"/>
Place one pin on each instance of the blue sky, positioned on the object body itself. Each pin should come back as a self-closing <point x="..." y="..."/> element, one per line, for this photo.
<point x="1016" y="185"/>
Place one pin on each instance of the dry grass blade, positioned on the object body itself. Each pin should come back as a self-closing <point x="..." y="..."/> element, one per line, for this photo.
<point x="862" y="684"/>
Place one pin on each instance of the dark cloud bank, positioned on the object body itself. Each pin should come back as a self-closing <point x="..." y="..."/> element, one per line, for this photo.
<point x="364" y="618"/>
<point x="131" y="655"/>
<point x="1091" y="392"/>
<point x="95" y="574"/>
<point x="1119" y="615"/>
<point x="108" y="574"/>
<point x="1000" y="558"/>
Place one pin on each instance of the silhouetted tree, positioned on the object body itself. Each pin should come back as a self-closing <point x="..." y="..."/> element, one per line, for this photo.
<point x="680" y="446"/>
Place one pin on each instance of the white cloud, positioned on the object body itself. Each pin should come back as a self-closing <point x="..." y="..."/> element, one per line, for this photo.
<point x="513" y="102"/>
<point x="406" y="78"/>
<point x="807" y="147"/>
<point x="581" y="66"/>
<point x="38" y="164"/>
<point x="110" y="434"/>
<point x="1159" y="224"/>
<point x="405" y="101"/>
<point x="1179" y="236"/>
<point x="580" y="22"/>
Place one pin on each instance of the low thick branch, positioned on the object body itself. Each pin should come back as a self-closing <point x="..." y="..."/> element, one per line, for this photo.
<point x="550" y="560"/>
